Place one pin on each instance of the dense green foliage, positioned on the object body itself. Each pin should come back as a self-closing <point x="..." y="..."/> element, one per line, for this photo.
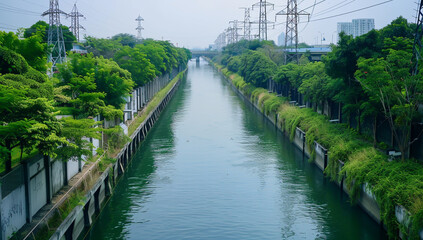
<point x="95" y="85"/>
<point x="84" y="87"/>
<point x="144" y="60"/>
<point x="256" y="68"/>
<point x="33" y="49"/>
<point x="41" y="28"/>
<point x="368" y="75"/>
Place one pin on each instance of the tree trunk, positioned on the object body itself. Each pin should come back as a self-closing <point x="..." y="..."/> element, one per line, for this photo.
<point x="375" y="131"/>
<point x="22" y="149"/>
<point x="359" y="121"/>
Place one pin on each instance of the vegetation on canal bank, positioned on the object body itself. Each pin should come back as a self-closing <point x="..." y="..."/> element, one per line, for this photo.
<point x="394" y="183"/>
<point x="86" y="86"/>
<point x="369" y="78"/>
<point x="154" y="102"/>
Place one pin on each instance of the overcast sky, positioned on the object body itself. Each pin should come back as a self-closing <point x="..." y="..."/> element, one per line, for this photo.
<point x="197" y="23"/>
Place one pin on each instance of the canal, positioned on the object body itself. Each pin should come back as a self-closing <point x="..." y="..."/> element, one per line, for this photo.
<point x="213" y="168"/>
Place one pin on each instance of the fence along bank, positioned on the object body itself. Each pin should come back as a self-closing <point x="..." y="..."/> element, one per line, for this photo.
<point x="29" y="188"/>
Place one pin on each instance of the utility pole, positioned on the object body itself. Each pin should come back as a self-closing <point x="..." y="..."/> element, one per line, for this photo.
<point x="291" y="32"/>
<point x="55" y="35"/>
<point x="75" y="26"/>
<point x="263" y="22"/>
<point x="417" y="47"/>
<point x="247" y="24"/>
<point x="139" y="28"/>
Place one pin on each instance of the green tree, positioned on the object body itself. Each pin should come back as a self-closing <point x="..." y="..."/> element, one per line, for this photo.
<point x="234" y="64"/>
<point x="102" y="47"/>
<point x="41" y="28"/>
<point x="256" y="68"/>
<point x="78" y="132"/>
<point x="156" y="54"/>
<point x="95" y="84"/>
<point x="314" y="85"/>
<point x="27" y="123"/>
<point x="126" y="39"/>
<point x="137" y="63"/>
<point x="389" y="80"/>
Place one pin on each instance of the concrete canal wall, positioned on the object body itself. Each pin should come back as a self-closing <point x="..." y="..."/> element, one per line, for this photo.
<point x="81" y="218"/>
<point x="367" y="200"/>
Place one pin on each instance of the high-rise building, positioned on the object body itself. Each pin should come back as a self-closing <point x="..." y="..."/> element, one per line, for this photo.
<point x="357" y="27"/>
<point x="345" y="27"/>
<point x="281" y="39"/>
<point x="362" y="26"/>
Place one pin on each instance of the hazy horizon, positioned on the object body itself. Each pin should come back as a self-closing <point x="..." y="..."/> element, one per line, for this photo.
<point x="195" y="23"/>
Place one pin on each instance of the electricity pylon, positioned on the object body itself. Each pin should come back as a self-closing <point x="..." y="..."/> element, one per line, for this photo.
<point x="234" y="32"/>
<point x="75" y="26"/>
<point x="417" y="47"/>
<point x="55" y="35"/>
<point x="139" y="28"/>
<point x="263" y="22"/>
<point x="247" y="24"/>
<point x="291" y="32"/>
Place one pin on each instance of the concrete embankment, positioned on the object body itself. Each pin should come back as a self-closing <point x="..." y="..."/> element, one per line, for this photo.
<point x="320" y="157"/>
<point x="81" y="217"/>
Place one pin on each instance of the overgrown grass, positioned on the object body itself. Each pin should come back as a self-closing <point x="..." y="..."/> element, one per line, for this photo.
<point x="105" y="162"/>
<point x="393" y="183"/>
<point x="64" y="210"/>
<point x="77" y="198"/>
<point x="16" y="156"/>
<point x="153" y="104"/>
<point x="66" y="110"/>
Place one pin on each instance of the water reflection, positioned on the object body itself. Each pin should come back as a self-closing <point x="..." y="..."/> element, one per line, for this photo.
<point x="213" y="168"/>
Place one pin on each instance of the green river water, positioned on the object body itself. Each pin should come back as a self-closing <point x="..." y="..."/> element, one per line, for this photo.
<point x="214" y="168"/>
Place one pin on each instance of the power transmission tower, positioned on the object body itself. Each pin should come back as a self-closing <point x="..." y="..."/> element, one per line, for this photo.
<point x="139" y="28"/>
<point x="247" y="24"/>
<point x="220" y="41"/>
<point x="263" y="22"/>
<point x="55" y="35"/>
<point x="75" y="26"/>
<point x="235" y="29"/>
<point x="417" y="47"/>
<point x="291" y="32"/>
<point x="230" y="34"/>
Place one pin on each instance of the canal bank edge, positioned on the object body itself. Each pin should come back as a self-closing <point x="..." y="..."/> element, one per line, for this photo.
<point x="81" y="217"/>
<point x="319" y="155"/>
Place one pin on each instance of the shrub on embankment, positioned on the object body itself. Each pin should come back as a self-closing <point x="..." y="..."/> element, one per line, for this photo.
<point x="393" y="183"/>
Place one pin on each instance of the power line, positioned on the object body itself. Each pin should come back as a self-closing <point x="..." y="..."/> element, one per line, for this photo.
<point x="16" y="9"/>
<point x="33" y="3"/>
<point x="335" y="7"/>
<point x="346" y="13"/>
<point x="314" y="5"/>
<point x="311" y="14"/>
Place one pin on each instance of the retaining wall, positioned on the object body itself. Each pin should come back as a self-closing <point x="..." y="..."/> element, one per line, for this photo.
<point x="81" y="218"/>
<point x="367" y="200"/>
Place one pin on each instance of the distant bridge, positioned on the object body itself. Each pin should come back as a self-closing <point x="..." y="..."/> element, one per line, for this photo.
<point x="198" y="54"/>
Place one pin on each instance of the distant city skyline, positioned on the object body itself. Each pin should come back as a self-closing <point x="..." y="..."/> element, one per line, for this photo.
<point x="197" y="24"/>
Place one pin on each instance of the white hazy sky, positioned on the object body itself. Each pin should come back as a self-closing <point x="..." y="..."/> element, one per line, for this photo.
<point x="197" y="23"/>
